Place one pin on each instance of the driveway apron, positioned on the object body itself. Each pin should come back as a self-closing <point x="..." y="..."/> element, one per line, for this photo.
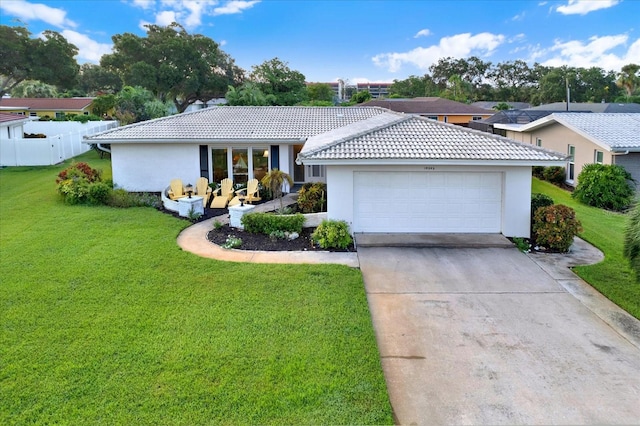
<point x="486" y="336"/>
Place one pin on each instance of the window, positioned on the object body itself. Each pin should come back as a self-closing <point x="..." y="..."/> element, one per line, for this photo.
<point x="432" y="117"/>
<point x="60" y="115"/>
<point x="260" y="157"/>
<point x="571" y="164"/>
<point x="220" y="165"/>
<point x="240" y="165"/>
<point x="538" y="142"/>
<point x="33" y="114"/>
<point x="476" y="118"/>
<point x="446" y="119"/>
<point x="598" y="157"/>
<point x="316" y="171"/>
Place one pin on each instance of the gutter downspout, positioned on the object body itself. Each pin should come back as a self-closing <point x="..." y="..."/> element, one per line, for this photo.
<point x="102" y="148"/>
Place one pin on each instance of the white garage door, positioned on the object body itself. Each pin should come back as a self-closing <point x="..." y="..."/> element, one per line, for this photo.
<point x="427" y="202"/>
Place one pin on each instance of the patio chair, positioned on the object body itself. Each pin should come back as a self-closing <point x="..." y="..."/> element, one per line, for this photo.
<point x="176" y="189"/>
<point x="250" y="193"/>
<point x="223" y="194"/>
<point x="203" y="190"/>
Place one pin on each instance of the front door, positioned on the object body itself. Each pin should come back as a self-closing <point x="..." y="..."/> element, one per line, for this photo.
<point x="298" y="169"/>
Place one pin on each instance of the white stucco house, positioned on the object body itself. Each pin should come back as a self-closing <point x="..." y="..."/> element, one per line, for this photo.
<point x="385" y="171"/>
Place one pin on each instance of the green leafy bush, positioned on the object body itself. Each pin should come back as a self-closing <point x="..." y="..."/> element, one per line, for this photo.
<point x="85" y="118"/>
<point x="266" y="223"/>
<point x="538" y="172"/>
<point x="74" y="183"/>
<point x="555" y="226"/>
<point x="124" y="199"/>
<point x="539" y="200"/>
<point x="98" y="193"/>
<point x="632" y="240"/>
<point x="605" y="186"/>
<point x="312" y="197"/>
<point x="555" y="174"/>
<point x="332" y="234"/>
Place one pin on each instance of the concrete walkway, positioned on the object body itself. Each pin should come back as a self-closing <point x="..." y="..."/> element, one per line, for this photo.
<point x="194" y="240"/>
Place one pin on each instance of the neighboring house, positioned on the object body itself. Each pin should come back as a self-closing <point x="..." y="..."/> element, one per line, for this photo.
<point x="386" y="172"/>
<point x="586" y="138"/>
<point x="439" y="109"/>
<point x="589" y="107"/>
<point x="12" y="125"/>
<point x="47" y="107"/>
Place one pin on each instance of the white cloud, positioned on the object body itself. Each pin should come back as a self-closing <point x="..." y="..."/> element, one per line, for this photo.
<point x="144" y="4"/>
<point x="457" y="46"/>
<point x="166" y="17"/>
<point x="519" y="17"/>
<point x="596" y="52"/>
<point x="422" y="33"/>
<point x="582" y="7"/>
<point x="88" y="50"/>
<point x="26" y="11"/>
<point x="234" y="6"/>
<point x="223" y="43"/>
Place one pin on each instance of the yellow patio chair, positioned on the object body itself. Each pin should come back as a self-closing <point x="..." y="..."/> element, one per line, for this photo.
<point x="176" y="189"/>
<point x="203" y="190"/>
<point x="250" y="193"/>
<point x="223" y="194"/>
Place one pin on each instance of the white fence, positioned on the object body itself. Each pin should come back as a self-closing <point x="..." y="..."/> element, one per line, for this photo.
<point x="65" y="142"/>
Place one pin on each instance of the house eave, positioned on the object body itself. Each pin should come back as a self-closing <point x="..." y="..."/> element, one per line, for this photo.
<point x="428" y="162"/>
<point x="269" y="141"/>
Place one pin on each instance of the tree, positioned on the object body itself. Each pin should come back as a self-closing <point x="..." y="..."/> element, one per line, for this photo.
<point x="274" y="77"/>
<point x="413" y="87"/>
<point x="360" y="97"/>
<point x="94" y="80"/>
<point x="247" y="94"/>
<point x="174" y="65"/>
<point x="103" y="104"/>
<point x="629" y="79"/>
<point x="50" y="59"/>
<point x="320" y="92"/>
<point x="134" y="104"/>
<point x="512" y="80"/>
<point x="472" y="71"/>
<point x="457" y="89"/>
<point x="275" y="180"/>
<point x="34" y="89"/>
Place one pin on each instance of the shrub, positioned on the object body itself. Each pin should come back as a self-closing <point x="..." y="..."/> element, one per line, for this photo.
<point x="98" y="193"/>
<point x="555" y="226"/>
<point x="538" y="172"/>
<point x="75" y="181"/>
<point x="605" y="186"/>
<point x="632" y="240"/>
<point x="555" y="174"/>
<point x="85" y="118"/>
<point x="124" y="199"/>
<point x="312" y="197"/>
<point x="539" y="200"/>
<point x="266" y="223"/>
<point x="332" y="234"/>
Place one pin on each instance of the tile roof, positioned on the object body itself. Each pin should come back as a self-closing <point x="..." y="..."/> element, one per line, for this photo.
<point x="617" y="131"/>
<point x="417" y="138"/>
<point x="589" y="107"/>
<point x="240" y="123"/>
<point x="46" y="103"/>
<point x="427" y="106"/>
<point x="8" y="118"/>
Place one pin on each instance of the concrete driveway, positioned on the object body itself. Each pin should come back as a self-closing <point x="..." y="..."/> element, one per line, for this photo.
<point x="487" y="336"/>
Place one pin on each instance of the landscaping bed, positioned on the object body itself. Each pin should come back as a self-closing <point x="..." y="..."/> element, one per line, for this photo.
<point x="263" y="242"/>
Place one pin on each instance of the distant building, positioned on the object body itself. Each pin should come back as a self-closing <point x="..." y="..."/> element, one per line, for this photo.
<point x="47" y="107"/>
<point x="439" y="109"/>
<point x="343" y="91"/>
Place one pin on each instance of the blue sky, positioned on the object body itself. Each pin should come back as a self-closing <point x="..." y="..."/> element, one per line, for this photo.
<point x="359" y="41"/>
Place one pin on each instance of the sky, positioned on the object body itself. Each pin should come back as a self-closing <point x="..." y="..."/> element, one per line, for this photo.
<point x="358" y="41"/>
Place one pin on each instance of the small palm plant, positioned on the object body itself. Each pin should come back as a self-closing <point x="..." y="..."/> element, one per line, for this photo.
<point x="274" y="180"/>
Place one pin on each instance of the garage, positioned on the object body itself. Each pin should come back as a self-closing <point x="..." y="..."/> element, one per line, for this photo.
<point x="428" y="202"/>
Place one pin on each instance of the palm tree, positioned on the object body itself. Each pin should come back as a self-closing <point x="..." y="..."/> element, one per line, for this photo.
<point x="274" y="180"/>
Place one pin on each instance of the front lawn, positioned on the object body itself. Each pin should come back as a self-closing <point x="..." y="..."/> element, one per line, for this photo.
<point x="613" y="276"/>
<point x="103" y="319"/>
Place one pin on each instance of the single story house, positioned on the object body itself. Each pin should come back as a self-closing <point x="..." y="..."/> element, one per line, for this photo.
<point x="386" y="172"/>
<point x="435" y="108"/>
<point x="47" y="107"/>
<point x="586" y="138"/>
<point x="12" y="125"/>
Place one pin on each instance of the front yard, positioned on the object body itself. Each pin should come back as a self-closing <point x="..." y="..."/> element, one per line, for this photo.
<point x="613" y="276"/>
<point x="103" y="319"/>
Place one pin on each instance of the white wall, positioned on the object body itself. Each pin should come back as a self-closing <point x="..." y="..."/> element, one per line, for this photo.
<point x="150" y="167"/>
<point x="516" y="192"/>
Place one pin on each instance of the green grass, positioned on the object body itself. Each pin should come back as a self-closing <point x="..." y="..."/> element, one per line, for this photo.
<point x="103" y="319"/>
<point x="612" y="277"/>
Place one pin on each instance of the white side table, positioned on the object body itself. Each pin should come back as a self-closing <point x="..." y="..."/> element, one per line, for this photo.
<point x="236" y="212"/>
<point x="186" y="204"/>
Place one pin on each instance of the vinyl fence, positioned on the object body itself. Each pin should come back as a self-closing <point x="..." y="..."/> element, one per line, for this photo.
<point x="63" y="141"/>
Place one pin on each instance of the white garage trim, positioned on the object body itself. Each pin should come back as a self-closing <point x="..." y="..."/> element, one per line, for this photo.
<point x="429" y="202"/>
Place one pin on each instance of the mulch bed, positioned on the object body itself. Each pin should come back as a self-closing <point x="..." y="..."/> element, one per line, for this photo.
<point x="265" y="243"/>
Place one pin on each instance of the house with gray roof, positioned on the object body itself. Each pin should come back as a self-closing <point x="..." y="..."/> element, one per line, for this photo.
<point x="385" y="171"/>
<point x="586" y="138"/>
